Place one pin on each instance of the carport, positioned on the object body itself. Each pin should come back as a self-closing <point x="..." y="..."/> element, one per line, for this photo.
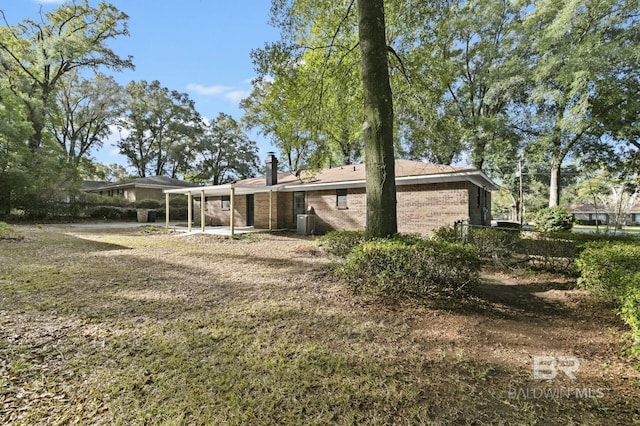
<point x="230" y="189"/>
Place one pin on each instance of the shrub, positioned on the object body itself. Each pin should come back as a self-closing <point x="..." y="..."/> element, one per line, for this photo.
<point x="149" y="204"/>
<point x="7" y="232"/>
<point x="421" y="268"/>
<point x="551" y="252"/>
<point x="612" y="270"/>
<point x="495" y="244"/>
<point x="341" y="243"/>
<point x="446" y="234"/>
<point x="607" y="267"/>
<point x="554" y="219"/>
<point x="112" y="213"/>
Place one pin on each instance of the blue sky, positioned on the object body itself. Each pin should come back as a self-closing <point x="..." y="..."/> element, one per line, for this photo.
<point x="200" y="47"/>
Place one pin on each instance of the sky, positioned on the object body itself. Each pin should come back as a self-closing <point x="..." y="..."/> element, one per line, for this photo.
<point x="198" y="47"/>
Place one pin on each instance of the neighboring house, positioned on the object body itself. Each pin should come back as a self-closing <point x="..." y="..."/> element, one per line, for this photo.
<point x="589" y="213"/>
<point x="428" y="197"/>
<point x="138" y="189"/>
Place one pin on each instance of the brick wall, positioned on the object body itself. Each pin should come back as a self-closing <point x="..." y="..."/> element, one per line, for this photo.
<point x="420" y="208"/>
<point x="329" y="216"/>
<point x="285" y="210"/>
<point x="261" y="210"/>
<point x="425" y="208"/>
<point x="215" y="215"/>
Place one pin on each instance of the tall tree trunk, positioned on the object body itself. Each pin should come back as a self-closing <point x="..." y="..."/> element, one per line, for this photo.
<point x="554" y="184"/>
<point x="378" y="121"/>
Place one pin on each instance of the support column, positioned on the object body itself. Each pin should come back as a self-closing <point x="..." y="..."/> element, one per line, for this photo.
<point x="232" y="212"/>
<point x="202" y="211"/>
<point x="166" y="210"/>
<point x="189" y="211"/>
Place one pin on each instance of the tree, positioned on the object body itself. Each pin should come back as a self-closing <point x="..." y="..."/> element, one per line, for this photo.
<point x="85" y="110"/>
<point x="309" y="96"/>
<point x="461" y="76"/>
<point x="36" y="55"/>
<point x="14" y="155"/>
<point x="223" y="153"/>
<point x="378" y="121"/>
<point x="160" y="124"/>
<point x="109" y="173"/>
<point x="575" y="50"/>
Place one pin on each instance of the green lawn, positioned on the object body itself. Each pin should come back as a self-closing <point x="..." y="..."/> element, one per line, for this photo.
<point x="604" y="228"/>
<point x="124" y="327"/>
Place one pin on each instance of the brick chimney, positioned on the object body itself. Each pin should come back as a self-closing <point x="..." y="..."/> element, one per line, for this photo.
<point x="272" y="169"/>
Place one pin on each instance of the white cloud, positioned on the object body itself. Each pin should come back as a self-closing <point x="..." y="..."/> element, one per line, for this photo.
<point x="208" y="90"/>
<point x="50" y="1"/>
<point x="231" y="94"/>
<point x="237" y="95"/>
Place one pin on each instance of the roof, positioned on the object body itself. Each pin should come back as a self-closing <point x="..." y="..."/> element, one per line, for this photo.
<point x="352" y="176"/>
<point x="88" y="185"/>
<point x="146" y="182"/>
<point x="590" y="208"/>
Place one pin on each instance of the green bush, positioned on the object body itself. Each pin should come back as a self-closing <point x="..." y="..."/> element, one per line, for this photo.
<point x="341" y="243"/>
<point x="7" y="232"/>
<point x="446" y="234"/>
<point x="112" y="213"/>
<point x="613" y="270"/>
<point x="150" y="204"/>
<point x="554" y="219"/>
<point x="419" y="269"/>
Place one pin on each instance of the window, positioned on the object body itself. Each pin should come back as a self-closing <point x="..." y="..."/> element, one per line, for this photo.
<point x="341" y="198"/>
<point x="225" y="202"/>
<point x="299" y="205"/>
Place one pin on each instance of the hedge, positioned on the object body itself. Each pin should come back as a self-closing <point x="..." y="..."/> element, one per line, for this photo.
<point x="613" y="270"/>
<point x="411" y="268"/>
<point x="341" y="243"/>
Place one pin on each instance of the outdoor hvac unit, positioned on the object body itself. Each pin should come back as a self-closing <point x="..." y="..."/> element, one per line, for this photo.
<point x="306" y="224"/>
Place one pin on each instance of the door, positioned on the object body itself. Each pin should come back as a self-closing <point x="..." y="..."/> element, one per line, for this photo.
<point x="250" y="210"/>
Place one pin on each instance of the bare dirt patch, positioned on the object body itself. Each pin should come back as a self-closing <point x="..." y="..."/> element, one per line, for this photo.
<point x="117" y="326"/>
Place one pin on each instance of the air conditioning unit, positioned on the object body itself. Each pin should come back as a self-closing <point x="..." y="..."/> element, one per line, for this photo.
<point x="306" y="224"/>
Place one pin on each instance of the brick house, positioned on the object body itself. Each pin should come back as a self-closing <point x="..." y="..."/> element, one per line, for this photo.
<point x="589" y="213"/>
<point x="428" y="197"/>
<point x="145" y="188"/>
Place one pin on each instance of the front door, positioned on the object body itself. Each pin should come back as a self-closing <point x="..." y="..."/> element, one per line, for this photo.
<point x="250" y="210"/>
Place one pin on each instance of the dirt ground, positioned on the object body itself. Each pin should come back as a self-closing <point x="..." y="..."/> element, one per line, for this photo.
<point x="449" y="362"/>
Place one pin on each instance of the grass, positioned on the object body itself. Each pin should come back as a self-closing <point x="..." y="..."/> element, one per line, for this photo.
<point x="8" y="232"/>
<point x="129" y="327"/>
<point x="605" y="228"/>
